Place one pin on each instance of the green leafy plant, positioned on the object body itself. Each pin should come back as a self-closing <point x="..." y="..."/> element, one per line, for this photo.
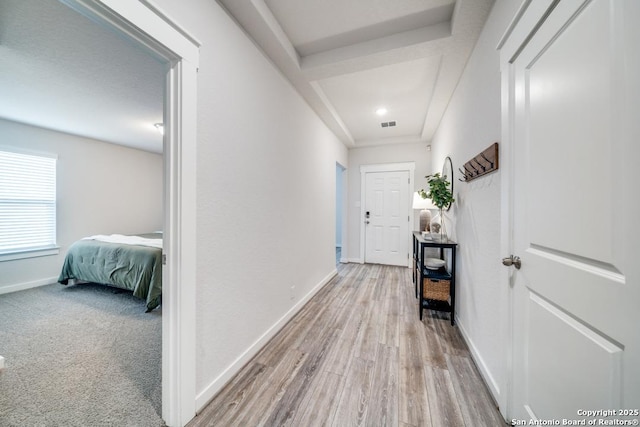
<point x="439" y="192"/>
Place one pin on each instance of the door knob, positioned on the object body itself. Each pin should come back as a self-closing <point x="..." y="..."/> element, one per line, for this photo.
<point x="512" y="260"/>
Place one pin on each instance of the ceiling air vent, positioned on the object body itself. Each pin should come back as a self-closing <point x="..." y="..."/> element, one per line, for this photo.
<point x="388" y="124"/>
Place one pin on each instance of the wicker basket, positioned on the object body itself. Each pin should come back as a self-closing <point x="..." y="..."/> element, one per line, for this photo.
<point x="436" y="289"/>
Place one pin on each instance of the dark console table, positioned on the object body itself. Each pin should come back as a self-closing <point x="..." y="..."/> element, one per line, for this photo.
<point x="425" y="277"/>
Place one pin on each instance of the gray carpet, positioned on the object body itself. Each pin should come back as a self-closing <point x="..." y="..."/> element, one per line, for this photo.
<point x="84" y="355"/>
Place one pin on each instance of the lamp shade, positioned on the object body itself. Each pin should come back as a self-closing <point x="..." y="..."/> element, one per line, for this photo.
<point x="420" y="203"/>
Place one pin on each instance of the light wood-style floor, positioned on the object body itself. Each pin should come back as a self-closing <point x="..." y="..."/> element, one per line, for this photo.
<point x="357" y="354"/>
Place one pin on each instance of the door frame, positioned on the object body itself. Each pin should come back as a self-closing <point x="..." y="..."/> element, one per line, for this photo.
<point x="384" y="167"/>
<point x="344" y="212"/>
<point x="148" y="26"/>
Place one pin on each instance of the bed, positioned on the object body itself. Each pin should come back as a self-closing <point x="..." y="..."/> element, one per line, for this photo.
<point x="127" y="262"/>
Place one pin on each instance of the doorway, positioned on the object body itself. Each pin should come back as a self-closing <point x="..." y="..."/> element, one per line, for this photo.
<point x="386" y="213"/>
<point x="340" y="214"/>
<point x="159" y="35"/>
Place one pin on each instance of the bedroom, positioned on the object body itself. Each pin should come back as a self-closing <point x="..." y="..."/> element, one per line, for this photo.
<point x="103" y="187"/>
<point x="91" y="98"/>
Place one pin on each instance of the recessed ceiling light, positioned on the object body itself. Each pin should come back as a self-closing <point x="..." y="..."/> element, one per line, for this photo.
<point x="381" y="111"/>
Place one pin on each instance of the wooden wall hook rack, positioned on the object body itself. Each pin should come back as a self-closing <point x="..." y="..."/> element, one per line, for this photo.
<point x="482" y="164"/>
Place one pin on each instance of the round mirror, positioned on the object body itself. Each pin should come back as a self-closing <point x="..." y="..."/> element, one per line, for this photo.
<point x="447" y="173"/>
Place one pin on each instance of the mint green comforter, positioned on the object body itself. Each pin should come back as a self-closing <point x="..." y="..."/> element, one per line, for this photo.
<point x="132" y="267"/>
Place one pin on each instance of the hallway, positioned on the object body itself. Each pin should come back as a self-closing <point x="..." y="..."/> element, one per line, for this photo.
<point x="357" y="354"/>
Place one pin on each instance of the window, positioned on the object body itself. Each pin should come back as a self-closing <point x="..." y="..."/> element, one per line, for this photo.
<point x="27" y="205"/>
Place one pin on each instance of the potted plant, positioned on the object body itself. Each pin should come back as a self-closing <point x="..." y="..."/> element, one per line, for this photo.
<point x="442" y="197"/>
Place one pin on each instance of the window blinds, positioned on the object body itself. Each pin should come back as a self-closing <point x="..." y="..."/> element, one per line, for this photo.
<point x="27" y="202"/>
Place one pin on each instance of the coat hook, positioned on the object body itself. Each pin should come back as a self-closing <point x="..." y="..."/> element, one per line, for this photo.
<point x="484" y="162"/>
<point x="472" y="167"/>
<point x="488" y="161"/>
<point x="493" y="164"/>
<point x="479" y="164"/>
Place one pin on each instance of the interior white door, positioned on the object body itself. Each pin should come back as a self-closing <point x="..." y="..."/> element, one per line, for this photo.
<point x="573" y="96"/>
<point x="387" y="218"/>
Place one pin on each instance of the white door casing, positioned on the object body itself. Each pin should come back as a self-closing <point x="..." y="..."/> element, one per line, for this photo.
<point x="570" y="71"/>
<point x="342" y="215"/>
<point x="385" y="190"/>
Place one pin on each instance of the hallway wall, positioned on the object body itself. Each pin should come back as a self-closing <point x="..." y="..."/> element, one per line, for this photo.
<point x="265" y="196"/>
<point x="471" y="123"/>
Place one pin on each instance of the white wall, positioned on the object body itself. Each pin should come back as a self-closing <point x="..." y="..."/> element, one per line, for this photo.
<point x="102" y="188"/>
<point x="266" y="196"/>
<point x="417" y="153"/>
<point x="471" y="123"/>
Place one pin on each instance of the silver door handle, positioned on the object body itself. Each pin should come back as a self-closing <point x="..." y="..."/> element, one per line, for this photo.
<point x="512" y="260"/>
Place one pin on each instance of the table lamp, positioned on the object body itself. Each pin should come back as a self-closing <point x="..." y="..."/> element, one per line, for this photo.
<point x="424" y="205"/>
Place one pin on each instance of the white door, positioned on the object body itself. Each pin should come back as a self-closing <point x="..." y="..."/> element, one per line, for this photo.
<point x="574" y="115"/>
<point x="387" y="218"/>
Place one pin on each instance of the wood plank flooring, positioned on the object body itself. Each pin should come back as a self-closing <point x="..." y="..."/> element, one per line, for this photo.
<point x="357" y="355"/>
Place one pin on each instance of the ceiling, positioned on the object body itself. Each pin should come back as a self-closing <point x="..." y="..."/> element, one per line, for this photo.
<point x="62" y="71"/>
<point x="348" y="58"/>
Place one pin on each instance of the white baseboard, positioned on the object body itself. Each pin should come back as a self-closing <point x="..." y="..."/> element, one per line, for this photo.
<point x="209" y="392"/>
<point x="361" y="261"/>
<point x="28" y="285"/>
<point x="479" y="361"/>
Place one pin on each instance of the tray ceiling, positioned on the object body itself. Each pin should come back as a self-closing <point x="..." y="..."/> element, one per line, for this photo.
<point x="60" y="70"/>
<point x="349" y="58"/>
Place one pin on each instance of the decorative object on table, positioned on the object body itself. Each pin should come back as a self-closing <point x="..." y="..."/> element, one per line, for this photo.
<point x="433" y="263"/>
<point x="442" y="197"/>
<point x="447" y="173"/>
<point x="424" y="204"/>
<point x="482" y="164"/>
<point x="436" y="223"/>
